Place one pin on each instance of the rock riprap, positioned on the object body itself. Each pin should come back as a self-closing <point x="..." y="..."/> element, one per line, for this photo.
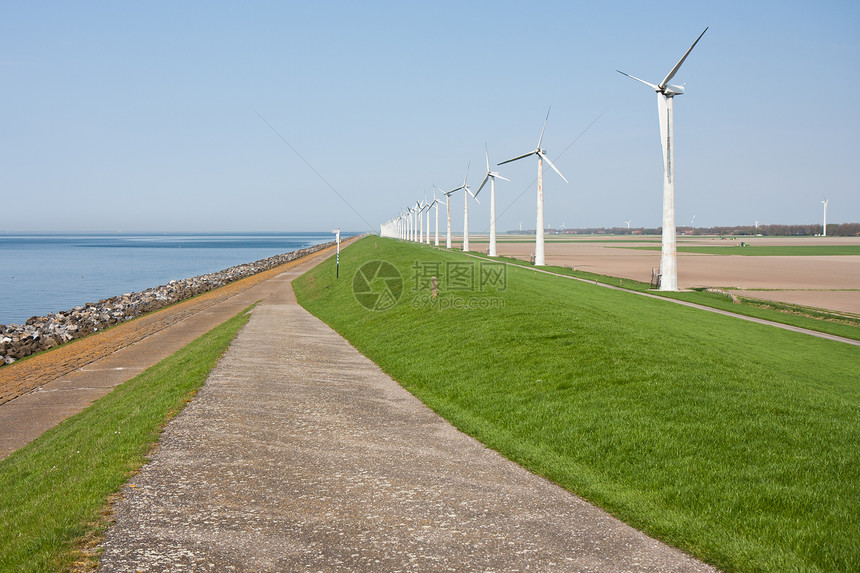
<point x="40" y="333"/>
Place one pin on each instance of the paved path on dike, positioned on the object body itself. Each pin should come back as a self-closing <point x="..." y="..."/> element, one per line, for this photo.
<point x="38" y="393"/>
<point x="300" y="454"/>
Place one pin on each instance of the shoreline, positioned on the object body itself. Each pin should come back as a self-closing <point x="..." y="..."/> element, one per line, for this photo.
<point x="40" y="333"/>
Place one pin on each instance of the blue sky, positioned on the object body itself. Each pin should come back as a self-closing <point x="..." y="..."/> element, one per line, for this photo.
<point x="144" y="116"/>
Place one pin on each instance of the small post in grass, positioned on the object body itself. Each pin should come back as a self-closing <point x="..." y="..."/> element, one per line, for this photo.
<point x="337" y="255"/>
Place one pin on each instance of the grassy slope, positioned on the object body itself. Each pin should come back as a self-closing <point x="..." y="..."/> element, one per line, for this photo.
<point x="804" y="317"/>
<point x="734" y="441"/>
<point x="53" y="490"/>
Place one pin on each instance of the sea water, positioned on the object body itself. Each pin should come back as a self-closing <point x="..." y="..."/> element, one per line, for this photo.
<point x="47" y="273"/>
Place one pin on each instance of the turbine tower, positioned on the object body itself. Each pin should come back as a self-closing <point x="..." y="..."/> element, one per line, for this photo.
<point x="541" y="155"/>
<point x="419" y="211"/>
<point x="447" y="204"/>
<point x="466" y="193"/>
<point x="665" y="94"/>
<point x="435" y="203"/>
<point x="491" y="175"/>
<point x="825" y="202"/>
<point x="427" y="206"/>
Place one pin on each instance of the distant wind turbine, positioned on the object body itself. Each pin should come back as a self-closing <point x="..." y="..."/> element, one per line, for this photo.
<point x="628" y="223"/>
<point x="491" y="175"/>
<point x="419" y="211"/>
<point x="825" y="202"/>
<point x="427" y="210"/>
<point x="665" y="94"/>
<point x="541" y="155"/>
<point x="435" y="203"/>
<point x="466" y="192"/>
<point x="447" y="203"/>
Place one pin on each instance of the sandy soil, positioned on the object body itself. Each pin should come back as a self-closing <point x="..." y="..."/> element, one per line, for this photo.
<point x="830" y="282"/>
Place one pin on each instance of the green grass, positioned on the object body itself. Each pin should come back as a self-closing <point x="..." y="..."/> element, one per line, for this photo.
<point x="820" y="320"/>
<point x="734" y="441"/>
<point x="53" y="491"/>
<point x="767" y="251"/>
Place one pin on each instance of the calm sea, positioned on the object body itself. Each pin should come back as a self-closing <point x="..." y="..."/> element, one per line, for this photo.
<point x="48" y="273"/>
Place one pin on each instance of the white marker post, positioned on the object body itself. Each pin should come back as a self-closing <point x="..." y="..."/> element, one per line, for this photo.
<point x="337" y="255"/>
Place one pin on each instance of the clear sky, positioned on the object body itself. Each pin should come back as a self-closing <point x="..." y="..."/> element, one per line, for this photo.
<point x="146" y="116"/>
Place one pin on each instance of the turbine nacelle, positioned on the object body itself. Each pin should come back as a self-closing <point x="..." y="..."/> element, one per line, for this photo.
<point x="670" y="90"/>
<point x="664" y="87"/>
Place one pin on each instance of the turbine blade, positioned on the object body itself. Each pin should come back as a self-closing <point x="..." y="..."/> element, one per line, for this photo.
<point x="487" y="153"/>
<point x="553" y="166"/>
<point x="474" y="195"/>
<point x="517" y="157"/>
<point x="484" y="182"/>
<point x="496" y="175"/>
<point x="649" y="84"/>
<point x="681" y="61"/>
<point x="544" y="127"/>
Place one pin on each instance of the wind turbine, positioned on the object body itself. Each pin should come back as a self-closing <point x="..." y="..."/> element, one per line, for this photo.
<point x="466" y="192"/>
<point x="491" y="175"/>
<point x="665" y="94"/>
<point x="447" y="203"/>
<point x="435" y="203"/>
<point x="408" y="215"/>
<point x="628" y="223"/>
<point x="427" y="207"/>
<point x="825" y="202"/>
<point x="541" y="155"/>
<point x="419" y="222"/>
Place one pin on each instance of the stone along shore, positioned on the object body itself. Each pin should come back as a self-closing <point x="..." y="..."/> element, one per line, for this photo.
<point x="44" y="332"/>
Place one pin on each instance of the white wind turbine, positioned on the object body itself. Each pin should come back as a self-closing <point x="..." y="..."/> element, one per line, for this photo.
<point x="824" y="229"/>
<point x="628" y="223"/>
<point x="419" y="210"/>
<point x="466" y="192"/>
<point x="447" y="195"/>
<point x="415" y="220"/>
<point x="665" y="94"/>
<point x="408" y="223"/>
<point x="539" y="229"/>
<point x="491" y="175"/>
<point x="435" y="203"/>
<point x="447" y="203"/>
<point x="427" y="207"/>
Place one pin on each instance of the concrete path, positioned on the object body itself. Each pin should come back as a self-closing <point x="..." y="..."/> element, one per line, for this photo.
<point x="300" y="454"/>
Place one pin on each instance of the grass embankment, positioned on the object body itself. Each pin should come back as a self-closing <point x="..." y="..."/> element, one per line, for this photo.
<point x="820" y="320"/>
<point x="734" y="441"/>
<point x="54" y="490"/>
